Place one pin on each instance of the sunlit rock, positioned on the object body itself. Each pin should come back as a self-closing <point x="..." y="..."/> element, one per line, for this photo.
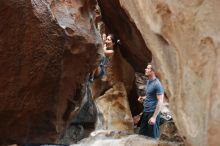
<point x="118" y="138"/>
<point x="113" y="108"/>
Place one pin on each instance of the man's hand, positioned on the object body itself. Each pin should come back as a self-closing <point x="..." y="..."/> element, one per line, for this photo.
<point x="141" y="99"/>
<point x="152" y="121"/>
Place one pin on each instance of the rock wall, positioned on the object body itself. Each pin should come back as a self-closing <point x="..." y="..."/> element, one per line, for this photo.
<point x="110" y="95"/>
<point x="183" y="37"/>
<point x="47" y="47"/>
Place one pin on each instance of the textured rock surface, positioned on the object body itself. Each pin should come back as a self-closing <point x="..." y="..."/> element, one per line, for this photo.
<point x="118" y="138"/>
<point x="113" y="107"/>
<point x="183" y="37"/>
<point x="46" y="47"/>
<point x="169" y="133"/>
<point x="84" y="123"/>
<point x="114" y="110"/>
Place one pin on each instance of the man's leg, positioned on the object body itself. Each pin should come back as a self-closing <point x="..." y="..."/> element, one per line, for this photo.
<point x="143" y="125"/>
<point x="154" y="130"/>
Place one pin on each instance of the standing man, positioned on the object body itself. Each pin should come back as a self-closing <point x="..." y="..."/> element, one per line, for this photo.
<point x="152" y="101"/>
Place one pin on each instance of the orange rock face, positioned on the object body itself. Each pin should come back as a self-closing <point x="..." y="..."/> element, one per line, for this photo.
<point x="183" y="37"/>
<point x="47" y="48"/>
<point x="112" y="103"/>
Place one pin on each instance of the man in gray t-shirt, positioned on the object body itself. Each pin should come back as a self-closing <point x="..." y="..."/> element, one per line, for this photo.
<point x="152" y="101"/>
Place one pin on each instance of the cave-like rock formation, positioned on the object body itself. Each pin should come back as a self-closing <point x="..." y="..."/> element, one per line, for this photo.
<point x="47" y="48"/>
<point x="183" y="37"/>
<point x="120" y="23"/>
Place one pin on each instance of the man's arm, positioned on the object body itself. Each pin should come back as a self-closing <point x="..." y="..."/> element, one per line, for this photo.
<point x="157" y="110"/>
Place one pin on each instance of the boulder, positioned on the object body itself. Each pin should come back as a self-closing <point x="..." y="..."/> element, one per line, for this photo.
<point x="47" y="49"/>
